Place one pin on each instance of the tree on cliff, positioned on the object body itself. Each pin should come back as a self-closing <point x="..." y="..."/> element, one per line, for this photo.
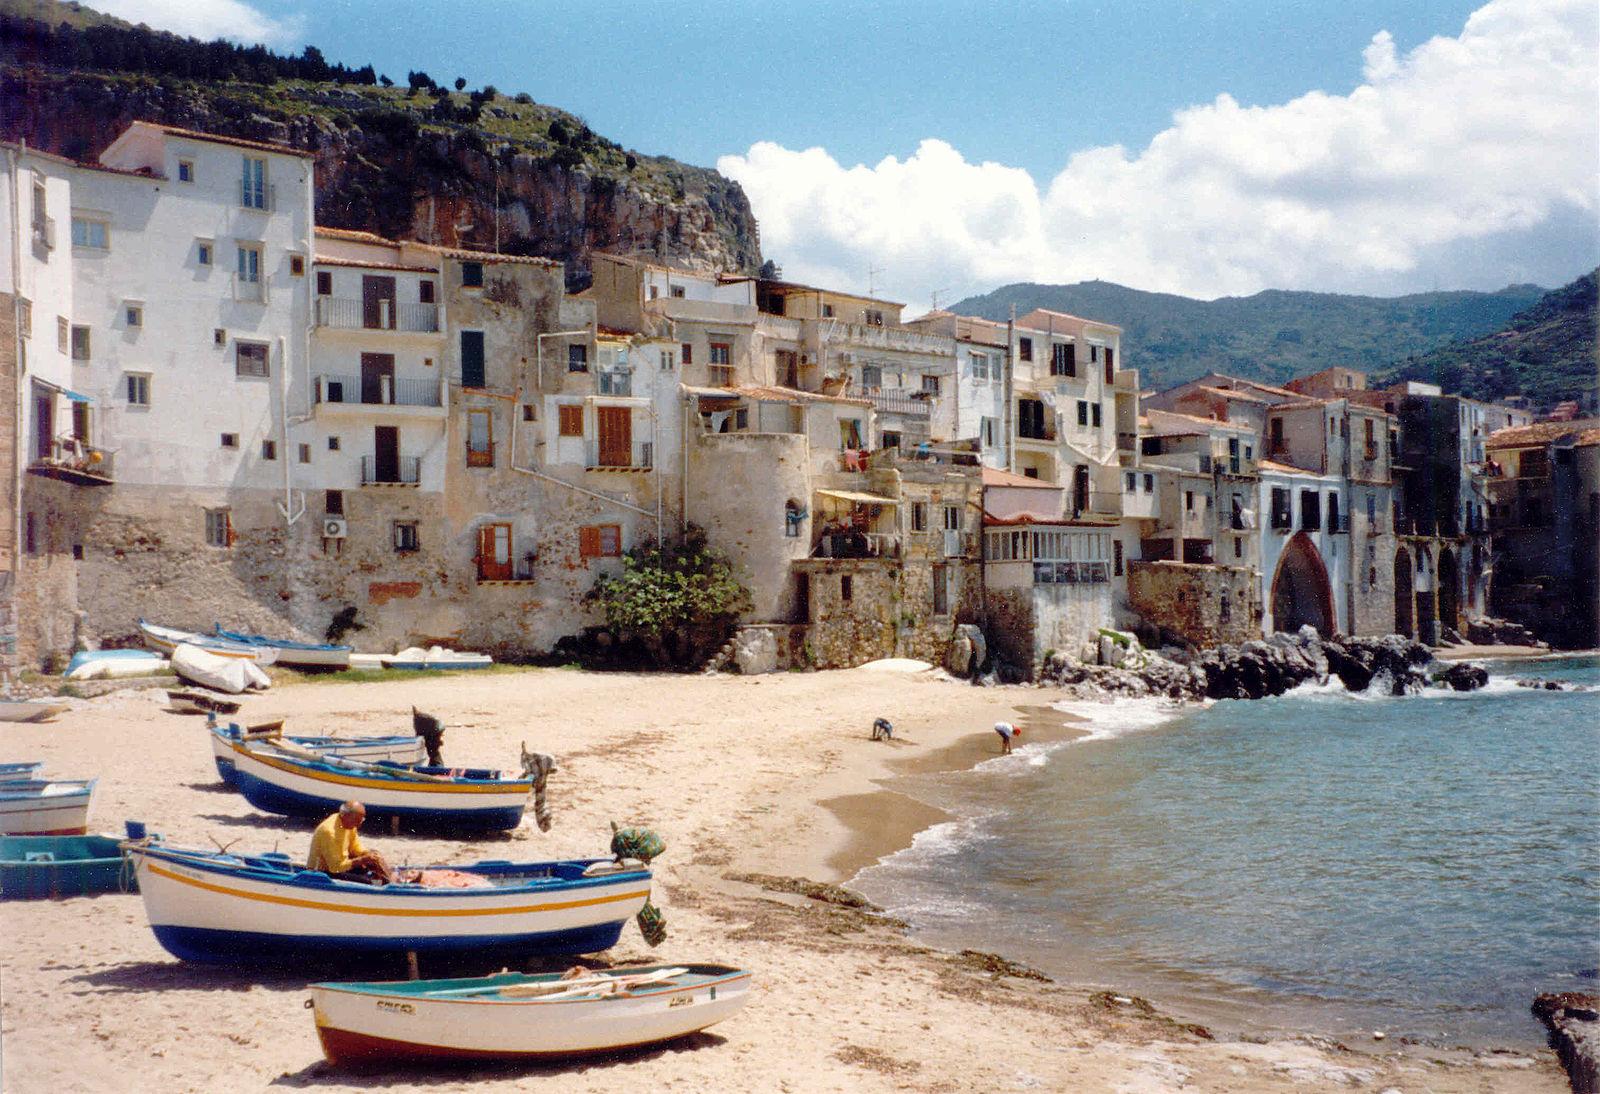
<point x="680" y="604"/>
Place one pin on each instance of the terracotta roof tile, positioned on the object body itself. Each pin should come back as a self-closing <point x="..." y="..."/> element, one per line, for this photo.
<point x="240" y="142"/>
<point x="1540" y="433"/>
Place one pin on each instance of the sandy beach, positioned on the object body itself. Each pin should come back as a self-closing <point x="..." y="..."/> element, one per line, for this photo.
<point x="741" y="776"/>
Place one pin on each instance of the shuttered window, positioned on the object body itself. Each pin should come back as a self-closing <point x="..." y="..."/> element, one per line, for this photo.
<point x="571" y="420"/>
<point x="600" y="541"/>
<point x="472" y="358"/>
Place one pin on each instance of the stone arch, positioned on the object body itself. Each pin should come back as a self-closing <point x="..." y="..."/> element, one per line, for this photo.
<point x="1405" y="600"/>
<point x="1449" y="590"/>
<point x="1427" y="601"/>
<point x="1301" y="592"/>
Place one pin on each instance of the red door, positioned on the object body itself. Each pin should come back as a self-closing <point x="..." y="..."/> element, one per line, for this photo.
<point x="494" y="552"/>
<point x="615" y="425"/>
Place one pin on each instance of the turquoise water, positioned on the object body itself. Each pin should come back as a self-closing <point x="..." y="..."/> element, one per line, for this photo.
<point x="1423" y="865"/>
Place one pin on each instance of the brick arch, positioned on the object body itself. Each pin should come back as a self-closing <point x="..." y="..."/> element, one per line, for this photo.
<point x="1301" y="591"/>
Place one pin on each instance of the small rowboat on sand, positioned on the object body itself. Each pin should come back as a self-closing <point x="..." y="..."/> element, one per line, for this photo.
<point x="514" y="1015"/>
<point x="35" y="867"/>
<point x="114" y="664"/>
<point x="45" y="807"/>
<point x="31" y="710"/>
<point x="165" y="640"/>
<point x="249" y="909"/>
<point x="407" y="749"/>
<point x="10" y="773"/>
<point x="292" y="654"/>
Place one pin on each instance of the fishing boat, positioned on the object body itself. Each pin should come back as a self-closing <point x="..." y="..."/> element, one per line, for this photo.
<point x="45" y="807"/>
<point x="167" y="639"/>
<point x="34" y="867"/>
<point x="31" y="710"/>
<point x="200" y="701"/>
<point x="281" y="778"/>
<point x="20" y="772"/>
<point x="295" y="655"/>
<point x="406" y="749"/>
<point x="114" y="664"/>
<point x="436" y="659"/>
<point x="514" y="1015"/>
<point x="223" y="908"/>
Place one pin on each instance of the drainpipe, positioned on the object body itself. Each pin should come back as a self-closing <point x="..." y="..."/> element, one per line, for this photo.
<point x="286" y="506"/>
<point x="19" y="416"/>
<point x="1008" y="388"/>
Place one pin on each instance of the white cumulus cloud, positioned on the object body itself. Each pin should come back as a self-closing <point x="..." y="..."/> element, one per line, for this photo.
<point x="208" y="19"/>
<point x="1466" y="162"/>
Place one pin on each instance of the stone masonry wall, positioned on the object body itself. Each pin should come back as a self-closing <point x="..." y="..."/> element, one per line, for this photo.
<point x="1205" y="605"/>
<point x="47" y="576"/>
<point x="10" y="499"/>
<point x="846" y="633"/>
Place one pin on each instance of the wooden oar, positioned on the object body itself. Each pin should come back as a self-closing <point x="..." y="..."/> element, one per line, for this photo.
<point x="563" y="987"/>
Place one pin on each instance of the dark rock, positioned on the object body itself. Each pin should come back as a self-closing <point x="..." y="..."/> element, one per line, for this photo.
<point x="1464" y="676"/>
<point x="1573" y="1019"/>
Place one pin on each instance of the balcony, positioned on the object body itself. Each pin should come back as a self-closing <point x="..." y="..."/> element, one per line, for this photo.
<point x="346" y="395"/>
<point x="909" y="404"/>
<point x="615" y="381"/>
<point x="258" y="198"/>
<point x="857" y="545"/>
<point x="249" y="291"/>
<point x="71" y="460"/>
<point x="639" y="457"/>
<point x="405" y="471"/>
<point x="871" y="336"/>
<point x="339" y="313"/>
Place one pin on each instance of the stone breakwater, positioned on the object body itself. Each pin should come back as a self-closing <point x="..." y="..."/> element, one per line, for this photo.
<point x="1262" y="668"/>
<point x="1573" y="1020"/>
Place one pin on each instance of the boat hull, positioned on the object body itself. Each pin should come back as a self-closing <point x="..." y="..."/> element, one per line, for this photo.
<point x="30" y="710"/>
<point x="223" y="910"/>
<point x="304" y="790"/>
<point x="48" y="867"/>
<point x="404" y="750"/>
<point x="304" y="655"/>
<point x="60" y="811"/>
<point x="20" y="772"/>
<point x="364" y="1027"/>
<point x="165" y="640"/>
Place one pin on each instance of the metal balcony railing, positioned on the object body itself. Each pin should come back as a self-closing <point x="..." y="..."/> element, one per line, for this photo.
<point x="407" y="471"/>
<point x="640" y="457"/>
<point x="73" y="460"/>
<point x="893" y="402"/>
<point x="263" y="199"/>
<point x="341" y="313"/>
<point x="614" y="381"/>
<point x="857" y="545"/>
<point x="347" y="389"/>
<point x="251" y="292"/>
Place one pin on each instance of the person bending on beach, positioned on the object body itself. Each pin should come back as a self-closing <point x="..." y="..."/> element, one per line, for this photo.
<point x="1006" y="731"/>
<point x="336" y="849"/>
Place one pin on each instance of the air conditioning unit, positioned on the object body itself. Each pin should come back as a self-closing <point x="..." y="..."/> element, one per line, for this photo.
<point x="335" y="528"/>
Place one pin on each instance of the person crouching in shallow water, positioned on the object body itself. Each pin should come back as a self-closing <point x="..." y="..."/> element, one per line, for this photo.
<point x="1006" y="731"/>
<point x="336" y="849"/>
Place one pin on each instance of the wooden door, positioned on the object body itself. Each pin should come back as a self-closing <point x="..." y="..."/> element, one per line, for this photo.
<point x="494" y="552"/>
<point x="377" y="377"/>
<point x="615" y="427"/>
<point x="377" y="302"/>
<point x="44" y="423"/>
<point x="386" y="453"/>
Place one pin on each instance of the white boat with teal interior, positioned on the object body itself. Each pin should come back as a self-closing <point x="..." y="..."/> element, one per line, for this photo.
<point x="515" y="1015"/>
<point x="165" y="640"/>
<point x="223" y="908"/>
<point x="401" y="749"/>
<point x="45" y="807"/>
<point x="287" y="652"/>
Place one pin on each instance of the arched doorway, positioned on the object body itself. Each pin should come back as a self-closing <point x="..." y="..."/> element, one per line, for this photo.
<point x="1449" y="590"/>
<point x="1405" y="603"/>
<point x="1301" y="592"/>
<point x="1426" y="584"/>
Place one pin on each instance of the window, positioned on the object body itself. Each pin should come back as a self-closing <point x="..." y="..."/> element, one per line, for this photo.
<point x="333" y="503"/>
<point x="794" y="516"/>
<point x="1116" y="557"/>
<point x="1094" y="415"/>
<point x="25" y="308"/>
<point x="480" y="438"/>
<point x="250" y="359"/>
<point x="204" y="253"/>
<point x="577" y="358"/>
<point x="405" y="536"/>
<point x="873" y="317"/>
<point x="676" y="292"/>
<point x="849" y="433"/>
<point x="30" y="538"/>
<point x="80" y="343"/>
<point x="249" y="264"/>
<point x="333" y="444"/>
<point x="1372" y="509"/>
<point x="219" y="336"/>
<point x="919" y="516"/>
<point x="1333" y="513"/>
<point x="827" y="311"/>
<point x="721" y="354"/>
<point x="600" y="541"/>
<point x="324" y="283"/>
<point x="93" y="234"/>
<point x="303" y="453"/>
<point x="989" y="432"/>
<point x="186" y="170"/>
<point x="297" y="265"/>
<point x="472" y="275"/>
<point x="425" y="291"/>
<point x="1310" y="510"/>
<point x="1130" y="483"/>
<point x="253" y="183"/>
<point x="669" y="360"/>
<point x="63" y="334"/>
<point x="269" y="450"/>
<point x="1083" y="410"/>
<point x="138" y="388"/>
<point x="980" y="366"/>
<point x="230" y="440"/>
<point x="529" y="414"/>
<point x="569" y="420"/>
<point x="1111" y="368"/>
<point x="1149" y="484"/>
<point x="1025" y="348"/>
<point x="930" y="385"/>
<point x="952" y="518"/>
<point x="133" y="315"/>
<point x="1282" y="513"/>
<point x="688" y="354"/>
<point x="655" y="292"/>
<point x="941" y="589"/>
<point x="219" y="527"/>
<point x="871" y="378"/>
<point x="1238" y="546"/>
<point x="1031" y="421"/>
<point x="847" y="590"/>
<point x="1064" y="359"/>
<point x="472" y="370"/>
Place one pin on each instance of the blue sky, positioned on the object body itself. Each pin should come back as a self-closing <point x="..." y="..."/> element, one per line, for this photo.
<point x="1209" y="149"/>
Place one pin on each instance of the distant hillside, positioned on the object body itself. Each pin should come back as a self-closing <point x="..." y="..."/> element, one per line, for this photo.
<point x="1550" y="352"/>
<point x="1272" y="336"/>
<point x="420" y="160"/>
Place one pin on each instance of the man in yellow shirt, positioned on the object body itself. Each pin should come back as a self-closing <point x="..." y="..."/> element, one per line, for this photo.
<point x="336" y="849"/>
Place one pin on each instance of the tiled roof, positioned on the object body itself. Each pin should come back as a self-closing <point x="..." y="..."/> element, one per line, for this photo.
<point x="1541" y="433"/>
<point x="467" y="255"/>
<point x="1233" y="393"/>
<point x="354" y="236"/>
<point x="142" y="173"/>
<point x="993" y="476"/>
<point x="240" y="142"/>
<point x="1212" y="423"/>
<point x="356" y="263"/>
<point x="1285" y="468"/>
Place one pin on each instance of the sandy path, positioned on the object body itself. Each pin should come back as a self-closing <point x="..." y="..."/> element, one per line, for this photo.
<point x="732" y="772"/>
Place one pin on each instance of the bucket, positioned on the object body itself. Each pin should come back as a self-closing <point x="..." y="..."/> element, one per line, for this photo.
<point x="135" y="829"/>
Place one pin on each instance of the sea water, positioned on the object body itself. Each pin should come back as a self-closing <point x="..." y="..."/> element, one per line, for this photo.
<point x="1422" y="865"/>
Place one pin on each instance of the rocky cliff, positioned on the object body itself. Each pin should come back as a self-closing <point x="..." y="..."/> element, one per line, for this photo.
<point x="451" y="168"/>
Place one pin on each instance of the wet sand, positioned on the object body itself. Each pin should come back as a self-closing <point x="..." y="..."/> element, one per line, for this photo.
<point x="734" y="773"/>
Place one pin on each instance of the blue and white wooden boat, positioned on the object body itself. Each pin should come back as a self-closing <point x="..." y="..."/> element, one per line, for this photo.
<point x="45" y="807"/>
<point x="436" y="659"/>
<point x="110" y="664"/>
<point x="165" y="640"/>
<point x="517" y="1016"/>
<point x="21" y="772"/>
<point x="406" y="749"/>
<point x="279" y="779"/>
<point x="222" y="908"/>
<point x="35" y="867"/>
<point x="295" y="655"/>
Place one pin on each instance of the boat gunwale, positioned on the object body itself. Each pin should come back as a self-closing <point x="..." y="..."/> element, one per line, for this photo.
<point x="219" y="632"/>
<point x="386" y="778"/>
<point x="395" y="988"/>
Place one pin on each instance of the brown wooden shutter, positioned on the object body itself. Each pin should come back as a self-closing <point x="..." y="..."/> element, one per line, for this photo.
<point x="688" y="353"/>
<point x="588" y="542"/>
